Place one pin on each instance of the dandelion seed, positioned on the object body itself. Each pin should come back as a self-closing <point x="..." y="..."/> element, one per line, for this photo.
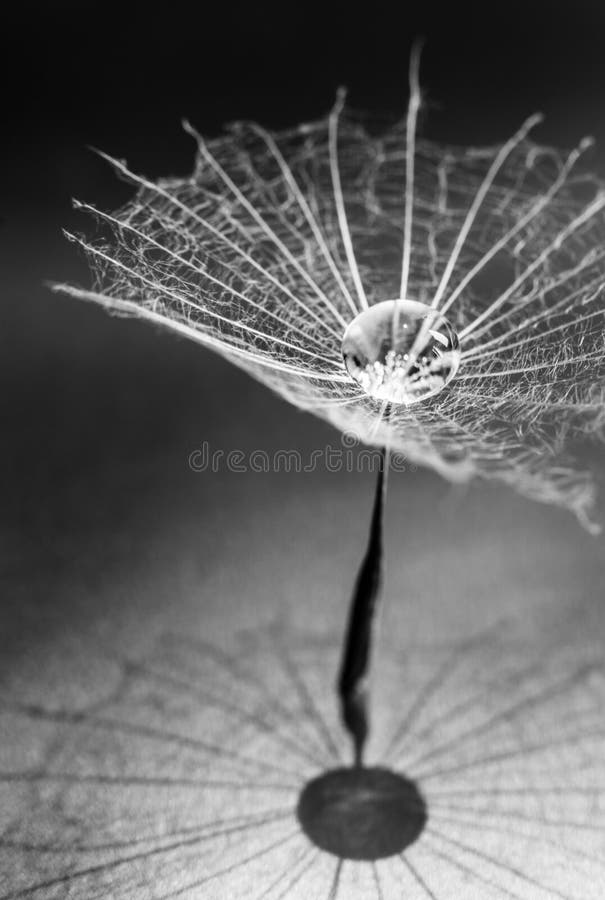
<point x="281" y="249"/>
<point x="444" y="303"/>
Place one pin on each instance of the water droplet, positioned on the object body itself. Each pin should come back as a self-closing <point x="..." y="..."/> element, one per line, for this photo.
<point x="401" y="351"/>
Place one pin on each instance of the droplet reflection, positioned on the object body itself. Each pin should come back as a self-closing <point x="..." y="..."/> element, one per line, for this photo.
<point x="401" y="351"/>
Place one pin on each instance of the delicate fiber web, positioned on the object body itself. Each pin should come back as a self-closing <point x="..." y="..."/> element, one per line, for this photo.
<point x="277" y="240"/>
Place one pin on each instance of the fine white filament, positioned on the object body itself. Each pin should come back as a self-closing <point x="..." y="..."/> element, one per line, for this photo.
<point x="277" y="240"/>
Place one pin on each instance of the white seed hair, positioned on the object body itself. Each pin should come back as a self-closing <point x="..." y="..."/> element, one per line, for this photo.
<point x="278" y="239"/>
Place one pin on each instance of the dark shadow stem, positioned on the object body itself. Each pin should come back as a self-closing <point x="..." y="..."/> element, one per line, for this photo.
<point x="354" y="673"/>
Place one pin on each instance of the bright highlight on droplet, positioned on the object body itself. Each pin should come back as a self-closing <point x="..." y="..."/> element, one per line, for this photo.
<point x="401" y="351"/>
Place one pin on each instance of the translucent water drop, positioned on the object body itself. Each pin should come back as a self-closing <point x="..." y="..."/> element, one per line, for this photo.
<point x="401" y="351"/>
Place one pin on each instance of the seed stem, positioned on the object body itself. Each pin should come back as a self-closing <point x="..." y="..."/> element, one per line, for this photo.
<point x="353" y="688"/>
